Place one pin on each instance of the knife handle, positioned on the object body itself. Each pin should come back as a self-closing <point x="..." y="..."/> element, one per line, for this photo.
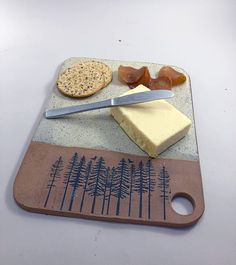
<point x="56" y="113"/>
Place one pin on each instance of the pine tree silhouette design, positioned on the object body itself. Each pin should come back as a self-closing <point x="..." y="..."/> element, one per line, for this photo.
<point x="109" y="186"/>
<point x="69" y="173"/>
<point x="56" y="169"/>
<point x="120" y="188"/>
<point x="77" y="179"/>
<point x="141" y="185"/>
<point x="151" y="183"/>
<point x="132" y="176"/>
<point x="164" y="180"/>
<point x="97" y="181"/>
<point x="85" y="189"/>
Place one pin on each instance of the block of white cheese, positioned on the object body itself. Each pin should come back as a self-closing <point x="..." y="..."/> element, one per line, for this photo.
<point x="154" y="125"/>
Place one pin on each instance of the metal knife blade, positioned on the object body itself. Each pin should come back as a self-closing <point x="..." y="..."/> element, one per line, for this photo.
<point x="134" y="98"/>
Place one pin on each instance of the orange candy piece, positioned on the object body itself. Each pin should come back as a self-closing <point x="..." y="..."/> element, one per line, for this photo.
<point x="176" y="77"/>
<point x="162" y="82"/>
<point x="167" y="77"/>
<point x="130" y="75"/>
<point x="144" y="80"/>
<point x="134" y="77"/>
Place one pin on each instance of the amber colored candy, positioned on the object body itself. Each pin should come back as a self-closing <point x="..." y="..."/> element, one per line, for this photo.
<point x="144" y="80"/>
<point x="162" y="82"/>
<point x="176" y="77"/>
<point x="130" y="75"/>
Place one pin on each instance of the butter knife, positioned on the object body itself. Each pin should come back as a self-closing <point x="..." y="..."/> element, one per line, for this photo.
<point x="134" y="98"/>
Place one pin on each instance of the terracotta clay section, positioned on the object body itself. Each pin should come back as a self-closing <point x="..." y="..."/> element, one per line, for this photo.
<point x="106" y="185"/>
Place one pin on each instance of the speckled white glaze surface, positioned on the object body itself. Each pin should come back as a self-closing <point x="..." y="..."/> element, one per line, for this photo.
<point x="98" y="130"/>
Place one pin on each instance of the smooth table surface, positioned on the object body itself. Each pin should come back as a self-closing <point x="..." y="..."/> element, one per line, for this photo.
<point x="198" y="36"/>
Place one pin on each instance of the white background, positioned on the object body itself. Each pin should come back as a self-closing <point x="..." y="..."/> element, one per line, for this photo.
<point x="199" y="36"/>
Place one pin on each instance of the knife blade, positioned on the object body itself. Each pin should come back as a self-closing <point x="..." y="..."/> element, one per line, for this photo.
<point x="134" y="98"/>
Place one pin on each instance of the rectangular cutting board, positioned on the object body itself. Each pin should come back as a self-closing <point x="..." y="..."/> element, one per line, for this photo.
<point x="84" y="165"/>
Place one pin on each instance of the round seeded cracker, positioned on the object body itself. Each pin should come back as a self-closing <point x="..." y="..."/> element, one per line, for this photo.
<point x="100" y="66"/>
<point x="80" y="81"/>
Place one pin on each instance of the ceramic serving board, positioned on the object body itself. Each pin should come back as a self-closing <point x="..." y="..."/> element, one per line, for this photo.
<point x="84" y="165"/>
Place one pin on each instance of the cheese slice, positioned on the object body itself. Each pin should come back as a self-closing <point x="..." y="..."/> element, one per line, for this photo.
<point x="154" y="125"/>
